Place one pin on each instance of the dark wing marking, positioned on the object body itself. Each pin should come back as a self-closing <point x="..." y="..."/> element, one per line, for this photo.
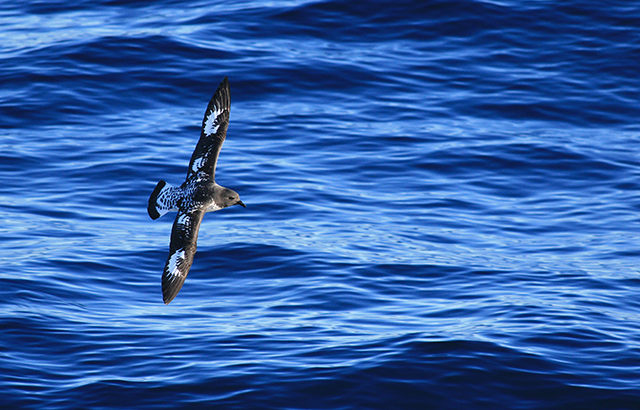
<point x="214" y="131"/>
<point x="184" y="237"/>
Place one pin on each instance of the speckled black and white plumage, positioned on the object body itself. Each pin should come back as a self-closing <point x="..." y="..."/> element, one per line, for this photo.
<point x="198" y="194"/>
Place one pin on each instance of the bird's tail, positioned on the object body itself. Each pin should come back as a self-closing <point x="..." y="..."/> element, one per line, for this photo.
<point x="163" y="199"/>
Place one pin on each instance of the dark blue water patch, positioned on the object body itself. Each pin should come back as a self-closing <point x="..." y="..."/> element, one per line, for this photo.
<point x="385" y="20"/>
<point x="94" y="78"/>
<point x="412" y="376"/>
<point x="535" y="162"/>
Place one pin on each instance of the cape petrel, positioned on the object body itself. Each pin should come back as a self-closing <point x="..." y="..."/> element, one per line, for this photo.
<point x="198" y="194"/>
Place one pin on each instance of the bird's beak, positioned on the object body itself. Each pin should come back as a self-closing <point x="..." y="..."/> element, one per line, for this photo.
<point x="241" y="203"/>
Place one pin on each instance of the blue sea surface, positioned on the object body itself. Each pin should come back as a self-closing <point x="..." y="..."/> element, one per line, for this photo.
<point x="443" y="205"/>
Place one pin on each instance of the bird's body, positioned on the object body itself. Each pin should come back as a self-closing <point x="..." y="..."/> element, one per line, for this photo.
<point x="197" y="195"/>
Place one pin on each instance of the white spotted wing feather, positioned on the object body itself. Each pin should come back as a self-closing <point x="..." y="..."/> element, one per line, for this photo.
<point x="214" y="131"/>
<point x="184" y="237"/>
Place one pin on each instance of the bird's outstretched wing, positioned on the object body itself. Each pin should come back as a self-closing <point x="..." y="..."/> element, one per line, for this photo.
<point x="184" y="237"/>
<point x="214" y="131"/>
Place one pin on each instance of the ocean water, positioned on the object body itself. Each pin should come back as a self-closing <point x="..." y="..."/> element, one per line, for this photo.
<point x="442" y="205"/>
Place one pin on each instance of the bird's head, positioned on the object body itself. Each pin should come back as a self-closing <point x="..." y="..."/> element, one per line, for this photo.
<point x="229" y="197"/>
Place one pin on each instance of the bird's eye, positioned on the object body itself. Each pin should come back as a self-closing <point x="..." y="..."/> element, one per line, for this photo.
<point x="230" y="197"/>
